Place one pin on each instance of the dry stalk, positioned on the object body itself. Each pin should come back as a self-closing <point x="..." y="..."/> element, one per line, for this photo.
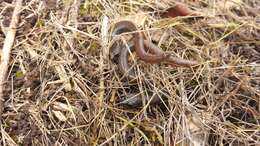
<point x="8" y="43"/>
<point x="103" y="57"/>
<point x="70" y="14"/>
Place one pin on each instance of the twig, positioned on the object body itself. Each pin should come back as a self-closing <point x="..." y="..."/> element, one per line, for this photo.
<point x="103" y="58"/>
<point x="8" y="43"/>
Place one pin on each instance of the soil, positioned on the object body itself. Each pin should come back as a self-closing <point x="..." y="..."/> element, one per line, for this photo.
<point x="62" y="89"/>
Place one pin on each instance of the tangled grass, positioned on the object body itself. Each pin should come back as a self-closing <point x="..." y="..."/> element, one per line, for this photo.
<point x="63" y="89"/>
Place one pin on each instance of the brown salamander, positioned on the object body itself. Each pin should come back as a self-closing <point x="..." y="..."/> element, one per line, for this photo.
<point x="174" y="61"/>
<point x="146" y="51"/>
<point x="141" y="47"/>
<point x="125" y="68"/>
<point x="128" y="26"/>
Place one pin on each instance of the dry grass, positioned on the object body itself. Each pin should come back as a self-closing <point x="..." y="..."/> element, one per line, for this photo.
<point x="63" y="89"/>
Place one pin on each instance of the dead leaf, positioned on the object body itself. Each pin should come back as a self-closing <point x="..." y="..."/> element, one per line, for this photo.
<point x="59" y="115"/>
<point x="64" y="77"/>
<point x="179" y="10"/>
<point x="61" y="106"/>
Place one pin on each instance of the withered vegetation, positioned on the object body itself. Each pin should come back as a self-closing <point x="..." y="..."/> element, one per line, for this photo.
<point x="63" y="88"/>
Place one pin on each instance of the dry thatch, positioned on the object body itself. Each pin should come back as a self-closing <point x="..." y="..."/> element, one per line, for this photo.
<point x="62" y="87"/>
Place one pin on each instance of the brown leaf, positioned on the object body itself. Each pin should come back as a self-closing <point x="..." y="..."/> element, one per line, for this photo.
<point x="179" y="10"/>
<point x="59" y="115"/>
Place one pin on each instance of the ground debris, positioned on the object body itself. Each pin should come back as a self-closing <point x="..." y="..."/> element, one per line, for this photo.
<point x="51" y="93"/>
